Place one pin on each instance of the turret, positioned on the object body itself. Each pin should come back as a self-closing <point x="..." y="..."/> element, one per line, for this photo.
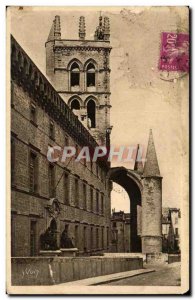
<point x="106" y="29"/>
<point x="151" y="168"/>
<point x="55" y="32"/>
<point x="151" y="202"/>
<point x="82" y="32"/>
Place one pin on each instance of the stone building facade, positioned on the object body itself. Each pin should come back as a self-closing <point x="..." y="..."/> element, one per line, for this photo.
<point x="71" y="196"/>
<point x="171" y="218"/>
<point x="120" y="240"/>
<point x="120" y="232"/>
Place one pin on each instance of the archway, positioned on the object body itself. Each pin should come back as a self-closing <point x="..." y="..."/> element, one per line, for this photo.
<point x="131" y="182"/>
<point x="75" y="104"/>
<point x="90" y="75"/>
<point x="120" y="220"/>
<point x="75" y="75"/>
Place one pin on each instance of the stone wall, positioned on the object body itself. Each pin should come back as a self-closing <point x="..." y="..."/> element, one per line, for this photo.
<point x="126" y="255"/>
<point x="48" y="270"/>
<point x="151" y="215"/>
<point x="174" y="258"/>
<point x="156" y="258"/>
<point x="30" y="87"/>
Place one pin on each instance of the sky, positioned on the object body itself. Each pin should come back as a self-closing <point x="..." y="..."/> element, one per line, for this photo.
<point x="140" y="97"/>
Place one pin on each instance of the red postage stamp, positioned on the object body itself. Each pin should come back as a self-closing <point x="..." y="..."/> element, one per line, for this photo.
<point x="174" y="52"/>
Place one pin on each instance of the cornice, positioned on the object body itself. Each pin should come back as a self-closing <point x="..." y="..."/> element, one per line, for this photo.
<point x="83" y="93"/>
<point x="60" y="48"/>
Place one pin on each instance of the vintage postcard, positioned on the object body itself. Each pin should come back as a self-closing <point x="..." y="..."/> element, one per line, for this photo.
<point x="98" y="143"/>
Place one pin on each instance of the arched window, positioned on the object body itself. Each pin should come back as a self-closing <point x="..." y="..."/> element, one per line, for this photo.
<point x="90" y="75"/>
<point x="75" y="104"/>
<point x="74" y="75"/>
<point x="91" y="113"/>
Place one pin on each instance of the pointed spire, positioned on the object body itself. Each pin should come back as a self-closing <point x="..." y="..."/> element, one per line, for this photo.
<point x="82" y="28"/>
<point x="55" y="32"/>
<point x="138" y="161"/>
<point x="151" y="167"/>
<point x="106" y="28"/>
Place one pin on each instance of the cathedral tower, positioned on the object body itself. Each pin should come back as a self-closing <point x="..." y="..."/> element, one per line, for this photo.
<point x="80" y="72"/>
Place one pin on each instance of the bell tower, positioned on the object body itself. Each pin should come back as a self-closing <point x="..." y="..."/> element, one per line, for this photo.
<point x="80" y="72"/>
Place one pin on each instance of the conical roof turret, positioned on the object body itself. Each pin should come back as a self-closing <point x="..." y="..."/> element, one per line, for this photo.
<point x="151" y="167"/>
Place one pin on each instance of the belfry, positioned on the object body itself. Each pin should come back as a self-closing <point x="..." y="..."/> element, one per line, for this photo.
<point x="80" y="72"/>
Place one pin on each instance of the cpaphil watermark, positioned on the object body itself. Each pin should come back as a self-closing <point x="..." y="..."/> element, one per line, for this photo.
<point x="120" y="154"/>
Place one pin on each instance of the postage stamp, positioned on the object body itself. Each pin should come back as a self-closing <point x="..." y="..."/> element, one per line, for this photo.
<point x="174" y="52"/>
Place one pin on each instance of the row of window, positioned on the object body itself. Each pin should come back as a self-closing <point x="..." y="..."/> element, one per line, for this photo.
<point x="91" y="114"/>
<point x="74" y="105"/>
<point x="99" y="172"/>
<point x="91" y="110"/>
<point x="82" y="190"/>
<point x="91" y="238"/>
<point x="99" y="200"/>
<point x="78" y="193"/>
<point x="75" y="75"/>
<point x="33" y="119"/>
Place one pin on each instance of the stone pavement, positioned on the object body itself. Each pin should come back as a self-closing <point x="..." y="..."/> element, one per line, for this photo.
<point x="164" y="275"/>
<point x="108" y="278"/>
